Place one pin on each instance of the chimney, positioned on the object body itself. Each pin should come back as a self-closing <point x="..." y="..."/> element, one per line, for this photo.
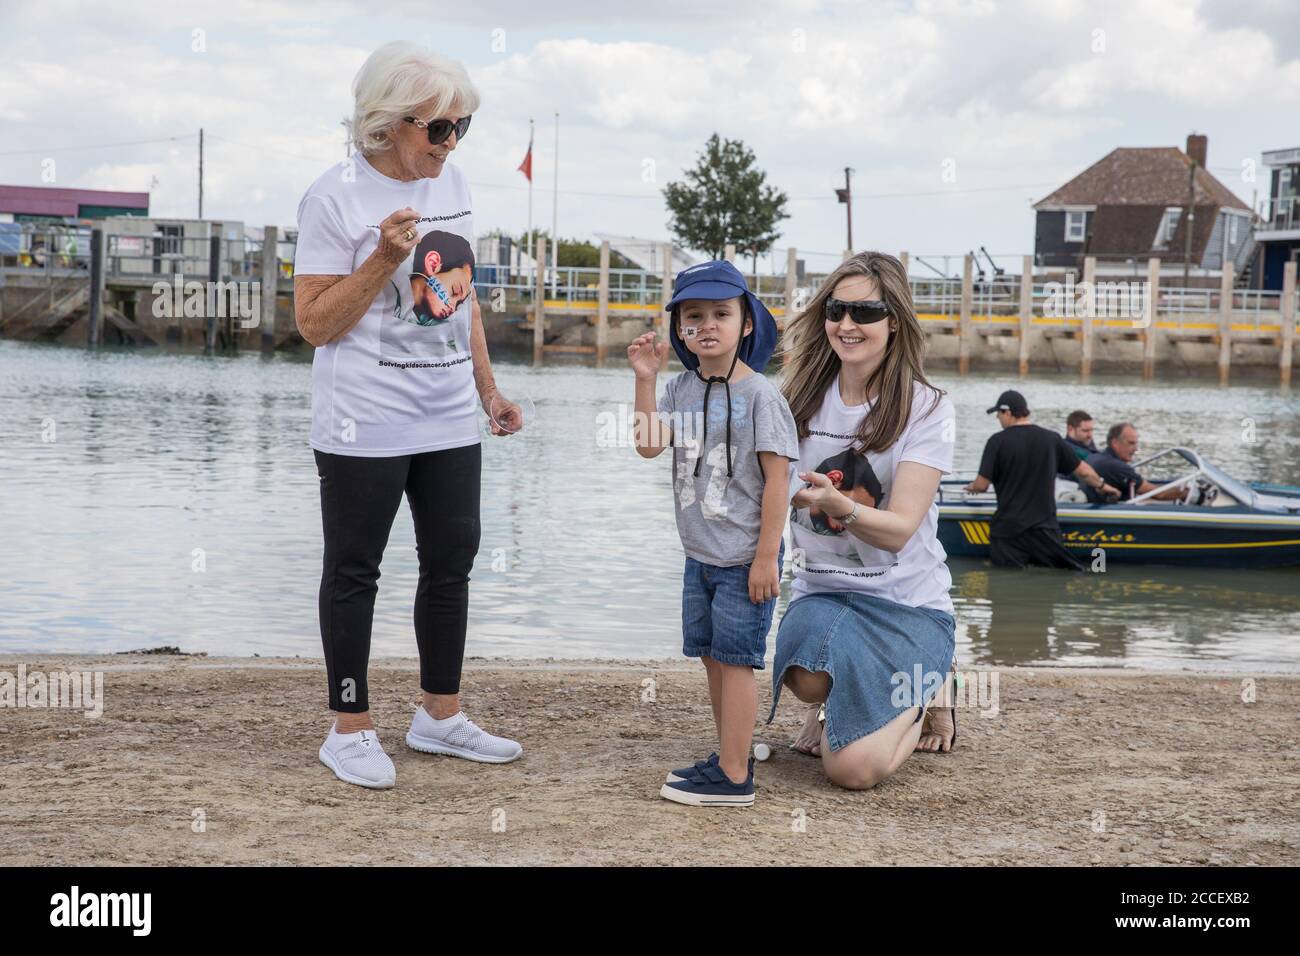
<point x="1198" y="145"/>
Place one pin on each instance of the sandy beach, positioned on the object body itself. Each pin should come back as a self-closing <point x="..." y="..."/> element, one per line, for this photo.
<point x="200" y="761"/>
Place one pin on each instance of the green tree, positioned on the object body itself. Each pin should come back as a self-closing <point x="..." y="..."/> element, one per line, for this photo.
<point x="725" y="199"/>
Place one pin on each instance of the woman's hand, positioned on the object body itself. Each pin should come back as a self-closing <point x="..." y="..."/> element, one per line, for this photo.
<point x="505" y="417"/>
<point x="764" y="579"/>
<point x="822" y="495"/>
<point x="645" y="357"/>
<point x="394" y="244"/>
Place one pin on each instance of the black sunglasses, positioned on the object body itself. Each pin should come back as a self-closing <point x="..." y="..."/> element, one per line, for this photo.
<point x="440" y="129"/>
<point x="863" y="312"/>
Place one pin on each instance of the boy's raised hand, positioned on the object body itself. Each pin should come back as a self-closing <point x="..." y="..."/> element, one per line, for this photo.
<point x="645" y="356"/>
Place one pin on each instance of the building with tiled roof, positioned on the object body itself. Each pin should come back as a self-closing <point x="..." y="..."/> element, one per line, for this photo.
<point x="1134" y="203"/>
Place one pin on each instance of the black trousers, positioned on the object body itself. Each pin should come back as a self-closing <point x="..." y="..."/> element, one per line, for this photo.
<point x="359" y="499"/>
<point x="1037" y="546"/>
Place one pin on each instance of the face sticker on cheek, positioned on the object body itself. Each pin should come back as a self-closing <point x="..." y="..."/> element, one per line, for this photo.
<point x="689" y="331"/>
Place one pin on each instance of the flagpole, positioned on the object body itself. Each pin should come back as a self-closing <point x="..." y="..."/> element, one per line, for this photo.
<point x="555" y="210"/>
<point x="529" y="234"/>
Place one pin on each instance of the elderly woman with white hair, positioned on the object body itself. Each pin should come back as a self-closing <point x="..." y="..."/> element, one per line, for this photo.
<point x="384" y="289"/>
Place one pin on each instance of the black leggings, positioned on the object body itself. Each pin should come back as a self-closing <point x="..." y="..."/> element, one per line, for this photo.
<point x="359" y="498"/>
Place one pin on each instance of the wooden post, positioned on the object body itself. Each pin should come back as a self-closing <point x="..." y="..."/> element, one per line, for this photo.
<point x="1225" y="321"/>
<point x="1089" y="312"/>
<point x="270" y="284"/>
<point x="662" y="323"/>
<point x="214" y="275"/>
<point x="1026" y="310"/>
<point x="964" y="328"/>
<point x="791" y="282"/>
<point x="905" y="260"/>
<point x="1288" y="320"/>
<point x="1153" y="313"/>
<point x="539" y="305"/>
<point x="98" y="247"/>
<point x="602" y="305"/>
<point x="729" y="252"/>
<point x="848" y="254"/>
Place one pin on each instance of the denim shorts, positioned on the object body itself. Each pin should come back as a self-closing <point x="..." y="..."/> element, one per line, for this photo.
<point x="883" y="658"/>
<point x="718" y="618"/>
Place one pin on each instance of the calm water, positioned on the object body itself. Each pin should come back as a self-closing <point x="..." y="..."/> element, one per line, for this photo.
<point x="116" y="467"/>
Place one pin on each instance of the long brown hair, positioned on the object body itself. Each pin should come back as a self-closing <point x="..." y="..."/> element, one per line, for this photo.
<point x="810" y="364"/>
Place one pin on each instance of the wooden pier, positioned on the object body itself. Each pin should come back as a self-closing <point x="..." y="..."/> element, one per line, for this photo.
<point x="970" y="323"/>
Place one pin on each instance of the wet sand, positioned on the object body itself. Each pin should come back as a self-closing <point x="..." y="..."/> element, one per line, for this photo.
<point x="208" y="761"/>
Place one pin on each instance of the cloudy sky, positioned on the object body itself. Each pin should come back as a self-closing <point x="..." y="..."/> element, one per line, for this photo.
<point x="955" y="114"/>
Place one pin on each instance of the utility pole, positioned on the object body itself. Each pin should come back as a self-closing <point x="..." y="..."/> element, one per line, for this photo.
<point x="845" y="196"/>
<point x="1191" y="219"/>
<point x="200" y="172"/>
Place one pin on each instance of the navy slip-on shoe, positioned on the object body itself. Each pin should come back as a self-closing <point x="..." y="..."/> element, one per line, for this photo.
<point x="711" y="788"/>
<point x="686" y="773"/>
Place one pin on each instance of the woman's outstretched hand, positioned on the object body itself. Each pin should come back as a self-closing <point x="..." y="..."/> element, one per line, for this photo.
<point x="822" y="494"/>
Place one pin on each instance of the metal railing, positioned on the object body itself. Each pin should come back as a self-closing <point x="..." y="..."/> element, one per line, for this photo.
<point x="1280" y="213"/>
<point x="62" y="251"/>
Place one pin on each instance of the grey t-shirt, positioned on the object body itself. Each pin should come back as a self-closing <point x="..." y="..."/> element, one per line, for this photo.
<point x="719" y="517"/>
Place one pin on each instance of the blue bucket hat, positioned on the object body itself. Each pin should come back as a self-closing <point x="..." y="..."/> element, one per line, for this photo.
<point x="721" y="280"/>
<point x="714" y="281"/>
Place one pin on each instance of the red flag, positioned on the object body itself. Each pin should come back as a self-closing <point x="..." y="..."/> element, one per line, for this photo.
<point x="526" y="167"/>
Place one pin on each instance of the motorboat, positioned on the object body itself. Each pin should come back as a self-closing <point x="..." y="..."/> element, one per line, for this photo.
<point x="1218" y="521"/>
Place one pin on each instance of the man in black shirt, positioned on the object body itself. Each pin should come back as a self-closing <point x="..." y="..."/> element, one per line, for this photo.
<point x="1022" y="462"/>
<point x="1114" y="466"/>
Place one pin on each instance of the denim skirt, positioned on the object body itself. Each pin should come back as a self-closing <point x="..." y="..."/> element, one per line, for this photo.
<point x="883" y="658"/>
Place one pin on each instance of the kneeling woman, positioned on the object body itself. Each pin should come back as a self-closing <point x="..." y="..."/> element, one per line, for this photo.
<point x="868" y="637"/>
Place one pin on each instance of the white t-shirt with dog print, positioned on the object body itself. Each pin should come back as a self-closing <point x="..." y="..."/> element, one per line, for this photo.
<point x="401" y="381"/>
<point x="826" y="556"/>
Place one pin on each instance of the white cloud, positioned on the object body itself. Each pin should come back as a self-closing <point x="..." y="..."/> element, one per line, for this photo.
<point x="1010" y="91"/>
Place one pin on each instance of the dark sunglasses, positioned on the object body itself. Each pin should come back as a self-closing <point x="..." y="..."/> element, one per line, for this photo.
<point x="864" y="312"/>
<point x="440" y="129"/>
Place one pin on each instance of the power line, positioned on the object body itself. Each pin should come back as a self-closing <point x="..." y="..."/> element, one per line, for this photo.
<point x="566" y="192"/>
<point x="66" y="149"/>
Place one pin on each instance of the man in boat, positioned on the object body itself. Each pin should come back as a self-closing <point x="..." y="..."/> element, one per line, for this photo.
<point x="1078" y="434"/>
<point x="1114" y="465"/>
<point x="1021" y="463"/>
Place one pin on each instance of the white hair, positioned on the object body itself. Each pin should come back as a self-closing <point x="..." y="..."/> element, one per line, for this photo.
<point x="394" y="82"/>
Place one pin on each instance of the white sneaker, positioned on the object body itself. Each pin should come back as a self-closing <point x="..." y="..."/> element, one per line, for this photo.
<point x="460" y="737"/>
<point x="358" y="758"/>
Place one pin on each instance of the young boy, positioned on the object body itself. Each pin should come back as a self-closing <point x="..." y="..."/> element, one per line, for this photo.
<point x="734" y="448"/>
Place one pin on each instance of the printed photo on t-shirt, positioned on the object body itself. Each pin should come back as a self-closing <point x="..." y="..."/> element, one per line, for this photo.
<point x="826" y="545"/>
<point x="427" y="302"/>
<point x="852" y="475"/>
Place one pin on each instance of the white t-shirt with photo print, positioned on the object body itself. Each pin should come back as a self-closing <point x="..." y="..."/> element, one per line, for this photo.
<point x="826" y="556"/>
<point x="401" y="381"/>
